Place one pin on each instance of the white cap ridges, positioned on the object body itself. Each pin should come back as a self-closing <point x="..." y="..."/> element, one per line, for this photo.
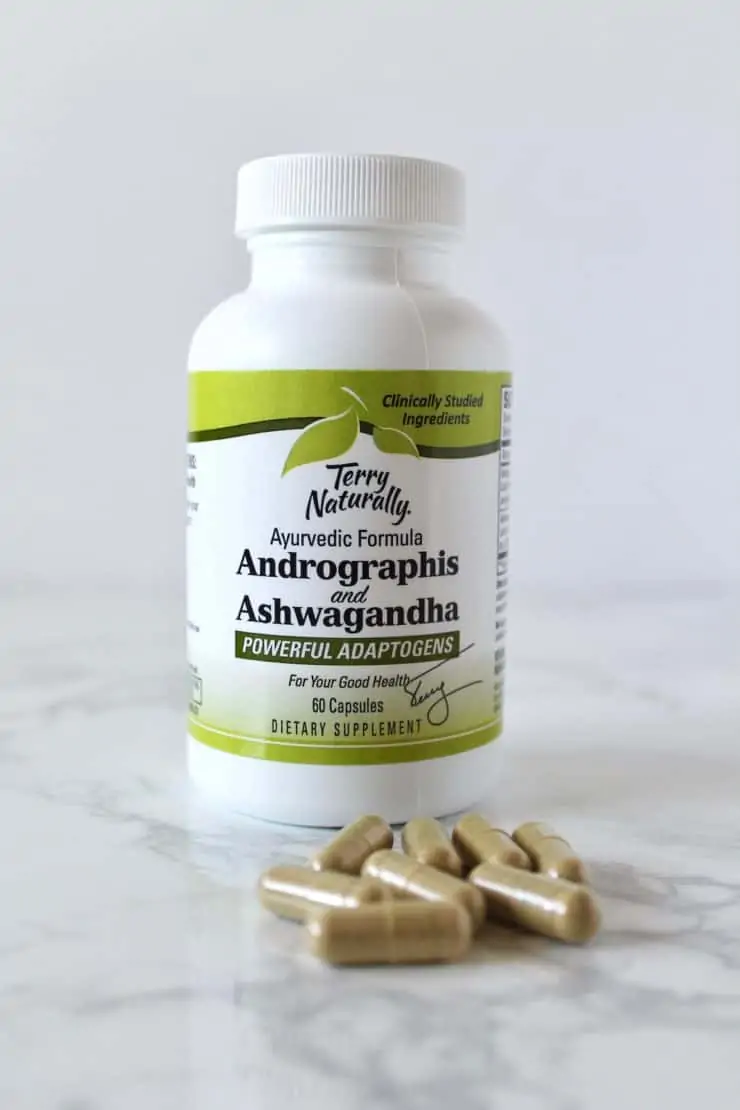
<point x="373" y="191"/>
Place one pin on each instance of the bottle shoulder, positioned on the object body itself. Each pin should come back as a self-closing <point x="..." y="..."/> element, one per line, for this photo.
<point x="456" y="326"/>
<point x="218" y="333"/>
<point x="347" y="325"/>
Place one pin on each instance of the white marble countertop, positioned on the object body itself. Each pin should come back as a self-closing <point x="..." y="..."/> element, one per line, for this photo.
<point x="137" y="971"/>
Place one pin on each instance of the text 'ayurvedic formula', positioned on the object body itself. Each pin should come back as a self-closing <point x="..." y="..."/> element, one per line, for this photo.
<point x="348" y="485"/>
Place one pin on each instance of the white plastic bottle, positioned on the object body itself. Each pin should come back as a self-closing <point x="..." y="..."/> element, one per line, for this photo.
<point x="348" y="504"/>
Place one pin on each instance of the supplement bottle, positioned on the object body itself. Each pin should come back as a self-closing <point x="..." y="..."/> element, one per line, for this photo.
<point x="348" y="474"/>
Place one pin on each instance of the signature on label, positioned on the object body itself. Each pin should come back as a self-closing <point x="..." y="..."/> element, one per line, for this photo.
<point x="432" y="694"/>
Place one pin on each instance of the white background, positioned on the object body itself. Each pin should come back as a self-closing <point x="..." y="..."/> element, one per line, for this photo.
<point x="600" y="141"/>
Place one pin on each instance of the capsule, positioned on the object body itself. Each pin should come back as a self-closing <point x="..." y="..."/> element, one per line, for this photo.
<point x="350" y="848"/>
<point x="391" y="933"/>
<point x="551" y="854"/>
<point x="426" y="841"/>
<point x="477" y="841"/>
<point x="294" y="892"/>
<point x="553" y="907"/>
<point x="407" y="876"/>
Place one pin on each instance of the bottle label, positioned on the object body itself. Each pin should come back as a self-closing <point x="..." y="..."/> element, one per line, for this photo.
<point x="347" y="562"/>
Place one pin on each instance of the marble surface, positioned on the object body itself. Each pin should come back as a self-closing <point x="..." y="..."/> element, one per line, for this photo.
<point x="137" y="971"/>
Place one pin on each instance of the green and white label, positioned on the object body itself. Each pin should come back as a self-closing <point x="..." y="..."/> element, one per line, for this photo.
<point x="347" y="562"/>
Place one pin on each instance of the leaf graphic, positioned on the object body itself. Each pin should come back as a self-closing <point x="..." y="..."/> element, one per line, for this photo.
<point x="394" y="442"/>
<point x="355" y="397"/>
<point x="324" y="439"/>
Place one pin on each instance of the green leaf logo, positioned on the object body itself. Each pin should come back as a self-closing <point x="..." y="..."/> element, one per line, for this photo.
<point x="355" y="397"/>
<point x="324" y="439"/>
<point x="394" y="442"/>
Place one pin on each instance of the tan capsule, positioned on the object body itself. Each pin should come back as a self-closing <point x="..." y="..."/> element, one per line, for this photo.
<point x="552" y="855"/>
<point x="477" y="841"/>
<point x="553" y="907"/>
<point x="425" y="839"/>
<point x="350" y="848"/>
<point x="391" y="933"/>
<point x="295" y="892"/>
<point x="407" y="876"/>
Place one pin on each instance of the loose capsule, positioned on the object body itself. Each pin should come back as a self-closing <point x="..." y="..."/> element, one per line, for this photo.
<point x="477" y="841"/>
<point x="294" y="892"/>
<point x="391" y="933"/>
<point x="553" y="907"/>
<point x="407" y="876"/>
<point x="350" y="848"/>
<point x="426" y="840"/>
<point x="550" y="852"/>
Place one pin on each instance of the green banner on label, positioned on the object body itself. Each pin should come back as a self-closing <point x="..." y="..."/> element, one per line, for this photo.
<point x="364" y="651"/>
<point x="417" y="412"/>
<point x="340" y="754"/>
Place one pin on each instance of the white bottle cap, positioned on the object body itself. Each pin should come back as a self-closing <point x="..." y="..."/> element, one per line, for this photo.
<point x="372" y="191"/>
